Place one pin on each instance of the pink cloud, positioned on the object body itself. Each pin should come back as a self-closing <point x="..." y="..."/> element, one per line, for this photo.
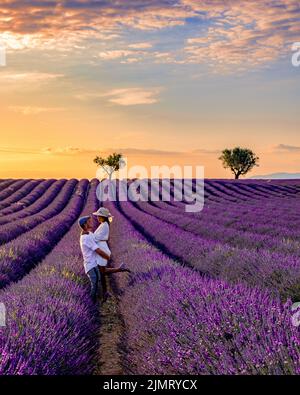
<point x="241" y="33"/>
<point x="246" y="33"/>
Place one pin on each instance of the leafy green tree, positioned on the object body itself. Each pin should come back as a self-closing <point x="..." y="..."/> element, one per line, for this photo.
<point x="111" y="164"/>
<point x="239" y="160"/>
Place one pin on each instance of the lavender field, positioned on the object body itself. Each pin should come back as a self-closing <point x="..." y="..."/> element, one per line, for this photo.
<point x="209" y="293"/>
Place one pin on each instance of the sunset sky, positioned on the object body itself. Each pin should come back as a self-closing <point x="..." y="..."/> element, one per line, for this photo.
<point x="165" y="82"/>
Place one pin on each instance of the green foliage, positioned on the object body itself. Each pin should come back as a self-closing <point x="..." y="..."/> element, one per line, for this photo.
<point x="239" y="160"/>
<point x="110" y="164"/>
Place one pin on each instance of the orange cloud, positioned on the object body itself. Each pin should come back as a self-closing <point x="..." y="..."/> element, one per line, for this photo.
<point x="126" y="96"/>
<point x="30" y="110"/>
<point x="133" y="96"/>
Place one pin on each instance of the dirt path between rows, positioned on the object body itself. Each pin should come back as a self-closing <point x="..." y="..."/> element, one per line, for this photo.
<point x="110" y="355"/>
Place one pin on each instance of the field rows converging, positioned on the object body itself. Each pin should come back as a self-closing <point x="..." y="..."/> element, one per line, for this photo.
<point x="51" y="322"/>
<point x="209" y="292"/>
<point x="36" y="205"/>
<point x="19" y="194"/>
<point x="6" y="183"/>
<point x="20" y="203"/>
<point x="212" y="229"/>
<point x="179" y="322"/>
<point x="230" y="216"/>
<point x="20" y="226"/>
<point x="216" y="203"/>
<point x="215" y="259"/>
<point x="22" y="254"/>
<point x="239" y="193"/>
<point x="12" y="188"/>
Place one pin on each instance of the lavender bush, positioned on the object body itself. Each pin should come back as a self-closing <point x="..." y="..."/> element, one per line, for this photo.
<point x="17" y="227"/>
<point x="210" y="292"/>
<point x="22" y="254"/>
<point x="12" y="188"/>
<point x="19" y="194"/>
<point x="51" y="323"/>
<point x="20" y="203"/>
<point x="178" y="322"/>
<point x="279" y="272"/>
<point x="35" y="206"/>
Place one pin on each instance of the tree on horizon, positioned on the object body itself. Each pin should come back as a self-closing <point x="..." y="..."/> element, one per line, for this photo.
<point x="239" y="160"/>
<point x="111" y="164"/>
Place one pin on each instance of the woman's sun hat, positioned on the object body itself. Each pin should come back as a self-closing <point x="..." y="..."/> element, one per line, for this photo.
<point x="103" y="212"/>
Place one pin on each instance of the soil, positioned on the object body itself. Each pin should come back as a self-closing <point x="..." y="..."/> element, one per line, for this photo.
<point x="110" y="336"/>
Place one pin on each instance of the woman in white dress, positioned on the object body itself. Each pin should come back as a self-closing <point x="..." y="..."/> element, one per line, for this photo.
<point x="101" y="236"/>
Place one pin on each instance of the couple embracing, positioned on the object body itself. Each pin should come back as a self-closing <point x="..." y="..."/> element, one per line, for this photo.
<point x="96" y="252"/>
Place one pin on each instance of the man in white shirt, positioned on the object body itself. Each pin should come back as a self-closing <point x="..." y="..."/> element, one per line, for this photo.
<point x="90" y="252"/>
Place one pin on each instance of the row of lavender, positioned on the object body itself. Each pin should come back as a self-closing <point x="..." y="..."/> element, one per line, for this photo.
<point x="36" y="205"/>
<point x="51" y="323"/>
<point x="54" y="202"/>
<point x="20" y="201"/>
<point x="11" y="187"/>
<point x="258" y="225"/>
<point x="211" y="226"/>
<point x="5" y="183"/>
<point x="253" y="215"/>
<point x="238" y="191"/>
<point x="279" y="272"/>
<point x="243" y="194"/>
<point x="228" y="211"/>
<point x="179" y="322"/>
<point x="21" y="193"/>
<point x="284" y="361"/>
<point x="21" y="254"/>
<point x="13" y="194"/>
<point x="242" y="225"/>
<point x="283" y="205"/>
